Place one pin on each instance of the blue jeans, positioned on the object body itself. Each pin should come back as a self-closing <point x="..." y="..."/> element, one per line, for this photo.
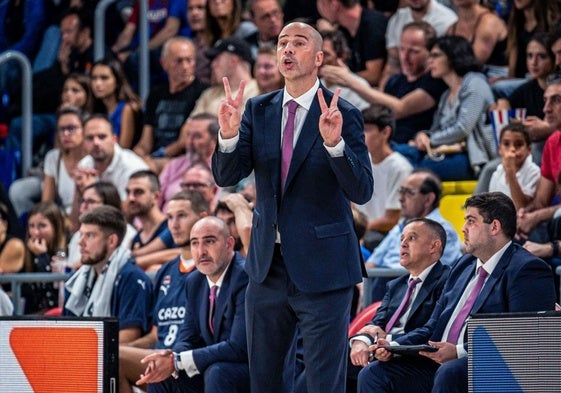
<point x="505" y="87"/>
<point x="452" y="167"/>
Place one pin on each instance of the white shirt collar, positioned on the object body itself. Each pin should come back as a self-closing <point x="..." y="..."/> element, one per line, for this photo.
<point x="490" y="265"/>
<point x="424" y="274"/>
<point x="305" y="100"/>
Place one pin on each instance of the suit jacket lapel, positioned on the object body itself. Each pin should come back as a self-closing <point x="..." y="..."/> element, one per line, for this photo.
<point x="222" y="300"/>
<point x="493" y="279"/>
<point x="463" y="280"/>
<point x="426" y="288"/>
<point x="203" y="312"/>
<point x="307" y="138"/>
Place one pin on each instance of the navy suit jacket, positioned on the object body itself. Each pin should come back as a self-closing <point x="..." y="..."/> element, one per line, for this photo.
<point x="313" y="215"/>
<point x="228" y="343"/>
<point x="520" y="282"/>
<point x="424" y="302"/>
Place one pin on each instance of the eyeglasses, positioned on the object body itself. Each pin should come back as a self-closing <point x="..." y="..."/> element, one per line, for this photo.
<point x="408" y="191"/>
<point x="90" y="202"/>
<point x="270" y="15"/>
<point x="554" y="99"/>
<point x="434" y="55"/>
<point x="69" y="129"/>
<point x="194" y="185"/>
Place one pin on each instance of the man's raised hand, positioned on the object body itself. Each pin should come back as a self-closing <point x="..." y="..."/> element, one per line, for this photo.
<point x="331" y="120"/>
<point x="230" y="111"/>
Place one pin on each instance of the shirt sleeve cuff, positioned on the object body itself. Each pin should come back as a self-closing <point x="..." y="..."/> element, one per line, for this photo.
<point x="360" y="337"/>
<point x="461" y="351"/>
<point x="188" y="364"/>
<point x="336" y="151"/>
<point x="227" y="145"/>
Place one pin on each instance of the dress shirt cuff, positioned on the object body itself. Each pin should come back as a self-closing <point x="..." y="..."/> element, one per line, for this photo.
<point x="367" y="339"/>
<point x="227" y="145"/>
<point x="461" y="351"/>
<point x="336" y="151"/>
<point x="188" y="364"/>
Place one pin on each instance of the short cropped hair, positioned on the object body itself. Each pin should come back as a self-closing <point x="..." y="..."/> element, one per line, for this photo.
<point x="431" y="184"/>
<point x="108" y="218"/>
<point x="198" y="203"/>
<point x="150" y="175"/>
<point x="427" y="29"/>
<point x="435" y="227"/>
<point x="519" y="128"/>
<point x="495" y="206"/>
<point x="379" y="115"/>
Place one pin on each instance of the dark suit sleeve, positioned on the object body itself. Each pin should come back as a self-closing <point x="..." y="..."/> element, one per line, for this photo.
<point x="229" y="168"/>
<point x="189" y="335"/>
<point x="532" y="288"/>
<point x="353" y="170"/>
<point x="382" y="314"/>
<point x="422" y="334"/>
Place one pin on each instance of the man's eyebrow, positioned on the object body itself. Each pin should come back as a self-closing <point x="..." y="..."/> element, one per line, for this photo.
<point x="295" y="35"/>
<point x="205" y="237"/>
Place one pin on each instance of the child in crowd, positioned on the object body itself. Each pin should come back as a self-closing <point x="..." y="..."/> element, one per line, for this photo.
<point x="517" y="175"/>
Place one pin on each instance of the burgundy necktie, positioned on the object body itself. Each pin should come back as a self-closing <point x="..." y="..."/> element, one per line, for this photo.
<point x="458" y="323"/>
<point x="404" y="303"/>
<point x="287" y="141"/>
<point x="212" y="301"/>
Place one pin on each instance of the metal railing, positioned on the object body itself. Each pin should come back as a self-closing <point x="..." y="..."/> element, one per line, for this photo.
<point x="99" y="42"/>
<point x="26" y="97"/>
<point x="17" y="279"/>
<point x="378" y="272"/>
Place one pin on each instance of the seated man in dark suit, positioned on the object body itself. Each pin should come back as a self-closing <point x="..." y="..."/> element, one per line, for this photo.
<point x="495" y="276"/>
<point x="404" y="309"/>
<point x="210" y="354"/>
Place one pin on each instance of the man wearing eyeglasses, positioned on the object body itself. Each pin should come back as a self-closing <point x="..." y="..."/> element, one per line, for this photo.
<point x="419" y="196"/>
<point x="199" y="177"/>
<point x="268" y="18"/>
<point x="199" y="135"/>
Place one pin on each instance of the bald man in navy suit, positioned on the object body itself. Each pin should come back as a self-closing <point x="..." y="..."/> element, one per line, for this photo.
<point x="210" y="354"/>
<point x="304" y="257"/>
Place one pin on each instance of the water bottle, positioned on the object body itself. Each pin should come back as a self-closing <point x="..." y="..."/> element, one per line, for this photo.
<point x="59" y="263"/>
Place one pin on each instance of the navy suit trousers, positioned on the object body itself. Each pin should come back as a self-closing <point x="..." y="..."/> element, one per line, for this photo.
<point x="274" y="310"/>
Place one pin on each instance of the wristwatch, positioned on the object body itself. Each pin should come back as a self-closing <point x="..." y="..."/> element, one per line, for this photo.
<point x="176" y="360"/>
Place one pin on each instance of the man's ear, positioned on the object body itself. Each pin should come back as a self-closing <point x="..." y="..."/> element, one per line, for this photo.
<point x="113" y="240"/>
<point x="431" y="198"/>
<point x="319" y="58"/>
<point x="496" y="227"/>
<point x="230" y="242"/>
